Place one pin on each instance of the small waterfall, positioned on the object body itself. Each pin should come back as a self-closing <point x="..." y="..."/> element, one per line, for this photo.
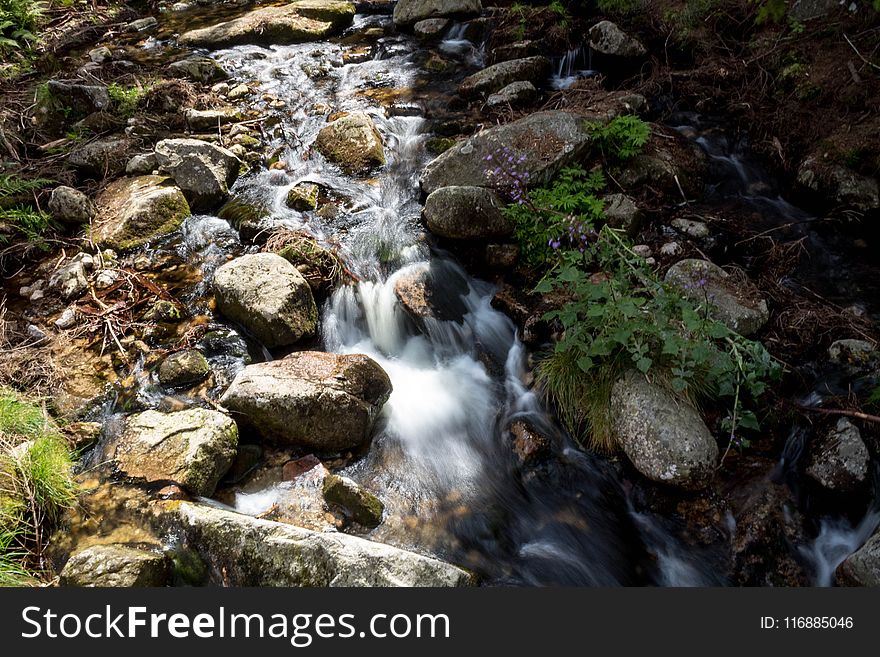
<point x="456" y="43"/>
<point x="837" y="539"/>
<point x="571" y="67"/>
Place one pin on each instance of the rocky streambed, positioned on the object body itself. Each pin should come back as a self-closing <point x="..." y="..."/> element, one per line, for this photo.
<point x="297" y="333"/>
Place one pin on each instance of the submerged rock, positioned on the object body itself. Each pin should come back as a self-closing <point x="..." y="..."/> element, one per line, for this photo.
<point x="840" y="460"/>
<point x="608" y="39"/>
<point x="71" y="206"/>
<point x="408" y="12"/>
<point x="183" y="368"/>
<point x="541" y="144"/>
<point x="352" y="142"/>
<point x="664" y="437"/>
<point x="245" y="551"/>
<point x="132" y="211"/>
<point x="327" y="402"/>
<point x="431" y="291"/>
<point x="466" y="213"/>
<point x="497" y="77"/>
<point x="193" y="448"/>
<point x="737" y="306"/>
<point x="268" y="296"/>
<point x="306" y="20"/>
<point x="364" y="507"/>
<point x="204" y="171"/>
<point x="115" y="566"/>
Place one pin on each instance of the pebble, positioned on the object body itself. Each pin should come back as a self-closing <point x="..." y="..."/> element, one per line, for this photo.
<point x="67" y="319"/>
<point x="670" y="249"/>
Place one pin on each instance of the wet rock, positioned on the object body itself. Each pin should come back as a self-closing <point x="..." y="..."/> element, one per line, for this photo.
<point x="203" y="171"/>
<point x="198" y="69"/>
<point x="737" y="305"/>
<point x="431" y="28"/>
<point x="364" y="507"/>
<point x="352" y="142"/>
<point x="303" y="197"/>
<point x="72" y="279"/>
<point x="143" y="24"/>
<point x="862" y="568"/>
<point x="622" y="212"/>
<point x="528" y="445"/>
<point x="246" y="216"/>
<point x="466" y="213"/>
<point x="327" y="402"/>
<point x="193" y="448"/>
<point x="439" y="145"/>
<point x="840" y="184"/>
<point x="247" y="458"/>
<point x="306" y="20"/>
<point x="71" y="206"/>
<point x="132" y="211"/>
<point x="839" y="460"/>
<point x="268" y="296"/>
<point x="252" y="552"/>
<point x="408" y="12"/>
<point x="608" y="39"/>
<point x="546" y="142"/>
<point x="115" y="566"/>
<point x="80" y="97"/>
<point x="664" y="437"/>
<point x="104" y="158"/>
<point x="183" y="368"/>
<point x="210" y="119"/>
<point x="494" y="78"/>
<point x="432" y="291"/>
<point x="293" y="469"/>
<point x="859" y="355"/>
<point x="515" y="94"/>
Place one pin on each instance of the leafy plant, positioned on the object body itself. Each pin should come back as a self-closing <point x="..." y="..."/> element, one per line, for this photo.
<point x="30" y="224"/>
<point x="621" y="138"/>
<point x="770" y="10"/>
<point x="124" y="99"/>
<point x="11" y="185"/>
<point x="19" y="20"/>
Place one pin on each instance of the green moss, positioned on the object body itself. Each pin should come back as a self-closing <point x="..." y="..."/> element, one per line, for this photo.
<point x="439" y="145"/>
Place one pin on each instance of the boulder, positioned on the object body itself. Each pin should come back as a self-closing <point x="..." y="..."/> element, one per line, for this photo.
<point x="738" y="306"/>
<point x="431" y="28"/>
<point x="210" y="119"/>
<point x="303" y="197"/>
<point x="515" y="94"/>
<point x="70" y="206"/>
<point x="431" y="291"/>
<point x="245" y="551"/>
<point x="622" y="212"/>
<point x="115" y="566"/>
<point x="352" y="142"/>
<point x="81" y="97"/>
<point x="104" y="158"/>
<point x="466" y="213"/>
<point x="839" y="460"/>
<point x="862" y="568"/>
<point x="663" y="436"/>
<point x="409" y="12"/>
<point x="183" y="368"/>
<point x="858" y="355"/>
<point x="495" y="78"/>
<point x="193" y="448"/>
<point x="608" y="39"/>
<point x="198" y="69"/>
<point x="545" y="141"/>
<point x="306" y="20"/>
<point x="327" y="402"/>
<point x="364" y="507"/>
<point x="268" y="296"/>
<point x="132" y="211"/>
<point x="840" y="184"/>
<point x="204" y="171"/>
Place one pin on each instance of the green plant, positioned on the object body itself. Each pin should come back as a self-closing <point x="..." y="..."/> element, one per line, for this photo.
<point x="19" y="20"/>
<point x="29" y="224"/>
<point x="770" y="10"/>
<point x="620" y="7"/>
<point x="125" y="99"/>
<point x="621" y="138"/>
<point x="11" y="185"/>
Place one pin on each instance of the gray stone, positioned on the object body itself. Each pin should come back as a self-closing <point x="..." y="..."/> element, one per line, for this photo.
<point x="100" y="54"/>
<point x="839" y="460"/>
<point x="364" y="507"/>
<point x="305" y="20"/>
<point x="862" y="568"/>
<point x="547" y="142"/>
<point x="327" y="402"/>
<point x="210" y="119"/>
<point x="143" y="24"/>
<point x="246" y="551"/>
<point x="499" y="76"/>
<point x="103" y="157"/>
<point x="71" y="206"/>
<point x="859" y="355"/>
<point x="466" y="213"/>
<point x="431" y="28"/>
<point x="193" y="448"/>
<point x="204" y="171"/>
<point x="72" y="279"/>
<point x="695" y="229"/>
<point x="132" y="211"/>
<point x="806" y="10"/>
<point x="738" y="306"/>
<point x="607" y="38"/>
<point x="840" y="184"/>
<point x="622" y="212"/>
<point x="663" y="436"/>
<point x="515" y="94"/>
<point x="268" y="296"/>
<point x="408" y="12"/>
<point x="183" y="368"/>
<point x="81" y="97"/>
<point x="143" y="164"/>
<point x="198" y="69"/>
<point x="115" y="566"/>
<point x="352" y="142"/>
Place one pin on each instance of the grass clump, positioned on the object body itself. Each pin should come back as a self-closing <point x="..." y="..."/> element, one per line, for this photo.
<point x="125" y="100"/>
<point x="36" y="486"/>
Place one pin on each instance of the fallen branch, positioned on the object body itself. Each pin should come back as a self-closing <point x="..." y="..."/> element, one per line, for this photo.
<point x="840" y="411"/>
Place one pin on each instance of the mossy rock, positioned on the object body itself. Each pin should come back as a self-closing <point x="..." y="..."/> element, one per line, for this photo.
<point x="303" y="197"/>
<point x="352" y="142"/>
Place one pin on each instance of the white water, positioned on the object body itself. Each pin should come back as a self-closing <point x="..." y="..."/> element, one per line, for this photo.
<point x="837" y="540"/>
<point x="571" y="67"/>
